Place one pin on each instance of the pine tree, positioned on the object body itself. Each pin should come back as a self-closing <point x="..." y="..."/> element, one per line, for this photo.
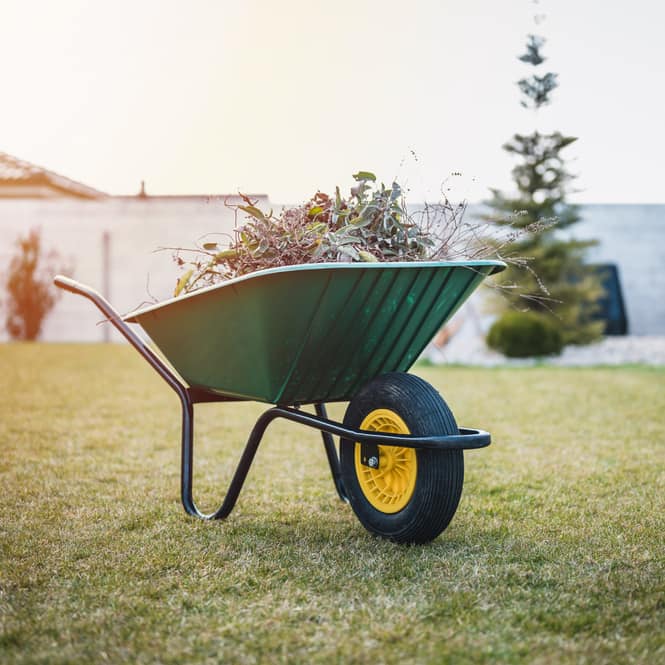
<point x="555" y="281"/>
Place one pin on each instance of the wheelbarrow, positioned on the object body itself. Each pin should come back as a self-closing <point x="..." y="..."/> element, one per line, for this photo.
<point x="320" y="333"/>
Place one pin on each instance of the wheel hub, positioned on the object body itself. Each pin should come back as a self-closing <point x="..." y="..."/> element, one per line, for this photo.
<point x="389" y="487"/>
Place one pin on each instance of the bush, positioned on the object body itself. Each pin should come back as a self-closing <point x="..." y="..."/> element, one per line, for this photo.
<point x="29" y="287"/>
<point x="525" y="334"/>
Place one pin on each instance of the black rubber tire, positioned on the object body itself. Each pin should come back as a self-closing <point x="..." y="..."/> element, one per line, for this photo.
<point x="440" y="473"/>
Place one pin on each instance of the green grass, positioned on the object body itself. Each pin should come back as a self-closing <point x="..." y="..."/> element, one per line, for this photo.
<point x="556" y="554"/>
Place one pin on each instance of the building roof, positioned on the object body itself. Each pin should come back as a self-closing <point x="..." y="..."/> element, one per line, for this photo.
<point x="19" y="179"/>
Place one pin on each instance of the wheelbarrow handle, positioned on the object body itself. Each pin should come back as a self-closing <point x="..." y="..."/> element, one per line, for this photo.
<point x="111" y="314"/>
<point x="115" y="319"/>
<point x="71" y="285"/>
<point x="187" y="446"/>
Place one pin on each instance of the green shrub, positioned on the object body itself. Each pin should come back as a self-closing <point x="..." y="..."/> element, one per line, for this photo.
<point x="525" y="334"/>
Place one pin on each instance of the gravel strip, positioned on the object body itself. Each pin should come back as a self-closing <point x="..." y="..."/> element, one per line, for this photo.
<point x="631" y="349"/>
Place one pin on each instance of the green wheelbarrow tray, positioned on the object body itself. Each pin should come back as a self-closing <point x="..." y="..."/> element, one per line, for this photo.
<point x="318" y="333"/>
<point x="310" y="333"/>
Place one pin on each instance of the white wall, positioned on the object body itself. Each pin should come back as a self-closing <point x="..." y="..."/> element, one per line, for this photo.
<point x="137" y="228"/>
<point x="633" y="236"/>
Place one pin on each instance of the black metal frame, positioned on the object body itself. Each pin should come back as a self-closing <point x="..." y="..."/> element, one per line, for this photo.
<point x="466" y="439"/>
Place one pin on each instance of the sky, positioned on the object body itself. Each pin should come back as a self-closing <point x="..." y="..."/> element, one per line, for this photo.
<point x="293" y="96"/>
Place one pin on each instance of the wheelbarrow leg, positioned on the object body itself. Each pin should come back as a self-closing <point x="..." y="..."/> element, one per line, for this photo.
<point x="187" y="465"/>
<point x="331" y="453"/>
<point x="186" y="400"/>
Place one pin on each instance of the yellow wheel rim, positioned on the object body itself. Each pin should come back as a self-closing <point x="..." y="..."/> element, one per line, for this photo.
<point x="390" y="487"/>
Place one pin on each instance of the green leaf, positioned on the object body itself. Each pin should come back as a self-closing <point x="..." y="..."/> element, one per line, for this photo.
<point x="225" y="254"/>
<point x="350" y="252"/>
<point x="182" y="282"/>
<point x="254" y="212"/>
<point x="344" y="239"/>
<point x="338" y="199"/>
<point x="360" y="222"/>
<point x="314" y="211"/>
<point x="366" y="257"/>
<point x="395" y="220"/>
<point x="209" y="245"/>
<point x="362" y="176"/>
<point x="317" y="227"/>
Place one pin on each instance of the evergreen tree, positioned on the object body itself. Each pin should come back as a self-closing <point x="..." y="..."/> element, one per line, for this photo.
<point x="555" y="281"/>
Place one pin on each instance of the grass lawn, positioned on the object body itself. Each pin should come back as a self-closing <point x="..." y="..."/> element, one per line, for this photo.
<point x="556" y="553"/>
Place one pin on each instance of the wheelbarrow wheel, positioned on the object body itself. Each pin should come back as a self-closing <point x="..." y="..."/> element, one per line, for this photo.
<point x="413" y="494"/>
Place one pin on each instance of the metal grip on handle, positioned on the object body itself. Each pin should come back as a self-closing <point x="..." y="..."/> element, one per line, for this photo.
<point x="71" y="285"/>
